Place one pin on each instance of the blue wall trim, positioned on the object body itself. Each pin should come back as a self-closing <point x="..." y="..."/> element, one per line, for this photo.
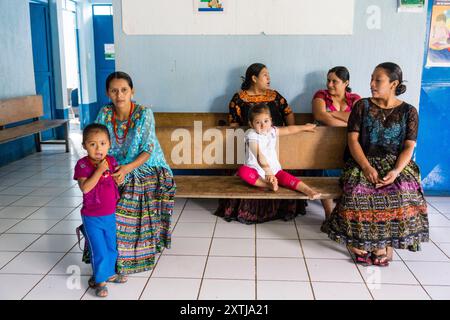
<point x="433" y="144"/>
<point x="89" y="113"/>
<point x="61" y="114"/>
<point x="17" y="149"/>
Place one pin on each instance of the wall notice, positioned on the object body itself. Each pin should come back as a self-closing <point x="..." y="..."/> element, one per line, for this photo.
<point x="237" y="17"/>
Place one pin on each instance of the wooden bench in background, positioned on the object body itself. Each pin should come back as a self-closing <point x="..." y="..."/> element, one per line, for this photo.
<point x="26" y="108"/>
<point x="208" y="119"/>
<point x="323" y="149"/>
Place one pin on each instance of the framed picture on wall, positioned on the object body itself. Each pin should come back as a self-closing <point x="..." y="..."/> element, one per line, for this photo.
<point x="205" y="6"/>
<point x="439" y="43"/>
<point x="411" y="5"/>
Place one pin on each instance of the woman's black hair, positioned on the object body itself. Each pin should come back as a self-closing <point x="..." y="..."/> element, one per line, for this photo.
<point x="343" y="74"/>
<point x="394" y="72"/>
<point x="95" y="127"/>
<point x="258" y="109"/>
<point x="118" y="75"/>
<point x="252" y="70"/>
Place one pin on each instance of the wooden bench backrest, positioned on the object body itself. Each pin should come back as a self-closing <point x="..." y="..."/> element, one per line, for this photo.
<point x="323" y="149"/>
<point x="19" y="109"/>
<point x="186" y="119"/>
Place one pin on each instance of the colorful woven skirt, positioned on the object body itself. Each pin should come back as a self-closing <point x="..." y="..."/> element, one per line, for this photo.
<point x="367" y="218"/>
<point x="143" y="217"/>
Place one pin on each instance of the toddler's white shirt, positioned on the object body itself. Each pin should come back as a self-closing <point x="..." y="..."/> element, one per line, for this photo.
<point x="267" y="146"/>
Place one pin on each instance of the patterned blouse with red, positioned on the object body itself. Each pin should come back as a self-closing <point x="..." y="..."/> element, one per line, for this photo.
<point x="241" y="103"/>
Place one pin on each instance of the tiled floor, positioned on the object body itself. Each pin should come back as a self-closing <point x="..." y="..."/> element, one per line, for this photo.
<point x="209" y="259"/>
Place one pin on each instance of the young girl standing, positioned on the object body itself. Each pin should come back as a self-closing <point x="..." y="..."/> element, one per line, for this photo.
<point x="100" y="195"/>
<point x="262" y="168"/>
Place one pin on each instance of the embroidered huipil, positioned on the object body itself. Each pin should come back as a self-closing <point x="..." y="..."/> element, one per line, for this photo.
<point x="141" y="137"/>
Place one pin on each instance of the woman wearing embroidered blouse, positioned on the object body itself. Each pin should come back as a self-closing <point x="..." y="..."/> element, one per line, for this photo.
<point x="382" y="206"/>
<point x="255" y="90"/>
<point x="146" y="184"/>
<point x="332" y="107"/>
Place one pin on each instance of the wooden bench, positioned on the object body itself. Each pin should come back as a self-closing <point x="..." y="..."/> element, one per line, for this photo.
<point x="208" y="119"/>
<point x="26" y="108"/>
<point x="323" y="149"/>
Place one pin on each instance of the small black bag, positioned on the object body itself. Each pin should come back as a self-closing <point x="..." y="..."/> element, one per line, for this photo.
<point x="86" y="258"/>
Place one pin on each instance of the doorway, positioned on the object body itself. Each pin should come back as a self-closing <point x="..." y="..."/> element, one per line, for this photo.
<point x="104" y="50"/>
<point x="42" y="59"/>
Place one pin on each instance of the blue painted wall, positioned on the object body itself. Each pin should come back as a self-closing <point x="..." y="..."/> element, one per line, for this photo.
<point x="433" y="147"/>
<point x="201" y="73"/>
<point x="16" y="67"/>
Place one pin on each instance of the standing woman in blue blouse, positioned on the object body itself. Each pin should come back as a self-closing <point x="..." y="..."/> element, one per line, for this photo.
<point x="146" y="184"/>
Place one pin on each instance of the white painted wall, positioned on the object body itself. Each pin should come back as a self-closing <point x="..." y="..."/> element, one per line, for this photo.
<point x="201" y="73"/>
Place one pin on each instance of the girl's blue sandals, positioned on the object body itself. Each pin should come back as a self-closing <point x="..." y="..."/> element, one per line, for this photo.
<point x="102" y="291"/>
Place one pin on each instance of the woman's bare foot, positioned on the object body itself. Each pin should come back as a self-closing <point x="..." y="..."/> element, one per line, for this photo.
<point x="357" y="251"/>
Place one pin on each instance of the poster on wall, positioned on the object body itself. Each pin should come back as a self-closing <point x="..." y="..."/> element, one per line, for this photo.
<point x="410" y="5"/>
<point x="439" y="44"/>
<point x="238" y="17"/>
<point x="209" y="6"/>
<point x="110" y="53"/>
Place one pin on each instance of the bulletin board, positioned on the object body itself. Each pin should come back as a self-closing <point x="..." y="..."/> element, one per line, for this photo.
<point x="238" y="17"/>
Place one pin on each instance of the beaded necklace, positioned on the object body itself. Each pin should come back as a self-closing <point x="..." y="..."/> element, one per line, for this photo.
<point x="121" y="140"/>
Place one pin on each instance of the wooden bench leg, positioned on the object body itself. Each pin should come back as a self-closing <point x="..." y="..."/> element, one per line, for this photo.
<point x="37" y="140"/>
<point x="66" y="135"/>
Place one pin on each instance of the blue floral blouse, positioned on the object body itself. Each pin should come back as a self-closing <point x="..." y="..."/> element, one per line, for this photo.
<point x="141" y="137"/>
<point x="383" y="131"/>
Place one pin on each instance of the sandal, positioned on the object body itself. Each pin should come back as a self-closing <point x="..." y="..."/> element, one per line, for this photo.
<point x="324" y="227"/>
<point x="363" y="259"/>
<point x="381" y="260"/>
<point x="118" y="278"/>
<point x="101" y="291"/>
<point x="91" y="282"/>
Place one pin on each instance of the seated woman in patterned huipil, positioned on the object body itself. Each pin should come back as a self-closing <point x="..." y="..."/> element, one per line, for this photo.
<point x="146" y="183"/>
<point x="255" y="90"/>
<point x="383" y="205"/>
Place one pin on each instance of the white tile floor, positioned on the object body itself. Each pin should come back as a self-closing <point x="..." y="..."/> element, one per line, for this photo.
<point x="209" y="258"/>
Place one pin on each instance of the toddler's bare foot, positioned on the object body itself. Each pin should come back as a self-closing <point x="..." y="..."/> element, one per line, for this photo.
<point x="274" y="185"/>
<point x="312" y="194"/>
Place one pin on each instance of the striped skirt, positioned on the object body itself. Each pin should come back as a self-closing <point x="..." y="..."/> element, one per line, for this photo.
<point x="143" y="217"/>
<point x="367" y="218"/>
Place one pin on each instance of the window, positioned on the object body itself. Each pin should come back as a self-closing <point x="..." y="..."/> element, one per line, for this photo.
<point x="102" y="10"/>
<point x="69" y="5"/>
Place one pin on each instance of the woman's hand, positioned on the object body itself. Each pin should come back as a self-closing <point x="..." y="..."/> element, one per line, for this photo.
<point x="371" y="174"/>
<point x="121" y="172"/>
<point x="309" y="127"/>
<point x="388" y="179"/>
